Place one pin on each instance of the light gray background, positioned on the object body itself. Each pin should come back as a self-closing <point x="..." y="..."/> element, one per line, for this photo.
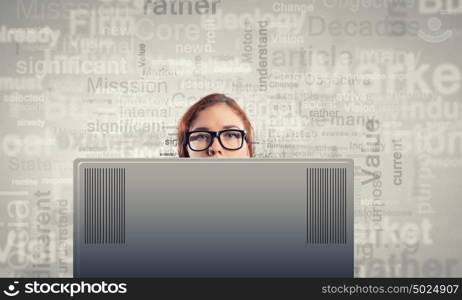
<point x="408" y="81"/>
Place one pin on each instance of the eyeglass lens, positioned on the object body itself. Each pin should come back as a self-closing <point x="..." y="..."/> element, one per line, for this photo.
<point x="230" y="139"/>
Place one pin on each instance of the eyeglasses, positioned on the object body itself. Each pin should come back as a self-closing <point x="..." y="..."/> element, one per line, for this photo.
<point x="230" y="139"/>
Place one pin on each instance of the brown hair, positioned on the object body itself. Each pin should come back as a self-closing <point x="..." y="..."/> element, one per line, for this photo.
<point x="202" y="104"/>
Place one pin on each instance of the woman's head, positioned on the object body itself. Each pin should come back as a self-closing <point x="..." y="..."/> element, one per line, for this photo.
<point x="215" y="126"/>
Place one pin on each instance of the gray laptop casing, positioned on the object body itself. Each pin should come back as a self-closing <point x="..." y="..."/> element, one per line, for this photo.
<point x="213" y="218"/>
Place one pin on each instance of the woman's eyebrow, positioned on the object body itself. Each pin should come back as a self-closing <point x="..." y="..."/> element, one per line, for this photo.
<point x="200" y="128"/>
<point x="224" y="127"/>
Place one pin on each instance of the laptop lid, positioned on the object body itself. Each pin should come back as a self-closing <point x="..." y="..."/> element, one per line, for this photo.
<point x="213" y="218"/>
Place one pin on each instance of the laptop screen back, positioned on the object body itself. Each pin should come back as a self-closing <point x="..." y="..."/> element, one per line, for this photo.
<point x="213" y="218"/>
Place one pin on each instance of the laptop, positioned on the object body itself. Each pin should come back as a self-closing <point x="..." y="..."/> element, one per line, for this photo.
<point x="213" y="218"/>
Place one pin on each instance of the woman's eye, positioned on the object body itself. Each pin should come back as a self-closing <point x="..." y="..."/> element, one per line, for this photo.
<point x="232" y="135"/>
<point x="199" y="137"/>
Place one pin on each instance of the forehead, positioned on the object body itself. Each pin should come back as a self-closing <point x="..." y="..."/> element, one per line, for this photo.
<point x="217" y="116"/>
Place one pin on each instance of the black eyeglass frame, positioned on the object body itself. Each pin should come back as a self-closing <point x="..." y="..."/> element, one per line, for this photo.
<point x="216" y="134"/>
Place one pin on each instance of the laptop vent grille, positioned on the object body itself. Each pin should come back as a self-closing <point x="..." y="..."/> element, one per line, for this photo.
<point x="326" y="205"/>
<point x="104" y="205"/>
